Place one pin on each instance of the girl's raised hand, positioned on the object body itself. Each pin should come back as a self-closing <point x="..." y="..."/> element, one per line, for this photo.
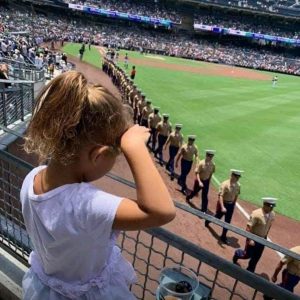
<point x="135" y="136"/>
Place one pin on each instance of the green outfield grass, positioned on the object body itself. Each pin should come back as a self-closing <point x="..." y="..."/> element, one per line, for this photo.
<point x="253" y="126"/>
<point x="92" y="56"/>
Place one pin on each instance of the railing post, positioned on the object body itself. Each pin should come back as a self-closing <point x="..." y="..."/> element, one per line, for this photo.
<point x="4" y="106"/>
<point x="22" y="102"/>
<point x="1" y="103"/>
<point x="32" y="98"/>
<point x="15" y="112"/>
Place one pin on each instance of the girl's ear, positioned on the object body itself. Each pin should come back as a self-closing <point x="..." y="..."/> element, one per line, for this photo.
<point x="99" y="152"/>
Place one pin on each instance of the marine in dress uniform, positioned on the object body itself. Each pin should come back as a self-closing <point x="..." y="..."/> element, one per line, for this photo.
<point x="187" y="154"/>
<point x="131" y="94"/>
<point x="147" y="110"/>
<point x="104" y="64"/>
<point x="204" y="172"/>
<point x="153" y="119"/>
<point x="136" y="99"/>
<point x="175" y="139"/>
<point x="129" y="88"/>
<point x="126" y="88"/>
<point x="291" y="274"/>
<point x="140" y="106"/>
<point x="228" y="194"/>
<point x="163" y="129"/>
<point x="113" y="73"/>
<point x="259" y="223"/>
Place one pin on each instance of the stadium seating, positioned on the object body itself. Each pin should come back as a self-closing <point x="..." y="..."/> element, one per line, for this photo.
<point x="54" y="28"/>
<point x="281" y="7"/>
<point x="146" y="8"/>
<point x="251" y="23"/>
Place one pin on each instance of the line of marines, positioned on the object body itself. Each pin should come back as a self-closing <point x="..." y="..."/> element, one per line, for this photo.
<point x="162" y="137"/>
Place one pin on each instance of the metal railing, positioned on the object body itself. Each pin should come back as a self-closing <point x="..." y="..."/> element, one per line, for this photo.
<point x="28" y="74"/>
<point x="17" y="64"/>
<point x="16" y="100"/>
<point x="149" y="251"/>
<point x="23" y="70"/>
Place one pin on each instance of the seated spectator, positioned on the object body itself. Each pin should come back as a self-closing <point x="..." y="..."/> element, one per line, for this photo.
<point x="4" y="75"/>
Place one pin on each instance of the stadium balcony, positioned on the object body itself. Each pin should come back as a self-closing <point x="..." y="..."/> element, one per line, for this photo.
<point x="149" y="250"/>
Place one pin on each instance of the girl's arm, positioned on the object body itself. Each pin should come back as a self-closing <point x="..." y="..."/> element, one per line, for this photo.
<point x="154" y="206"/>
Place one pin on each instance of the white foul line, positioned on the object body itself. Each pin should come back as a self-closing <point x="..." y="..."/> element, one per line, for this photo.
<point x="243" y="211"/>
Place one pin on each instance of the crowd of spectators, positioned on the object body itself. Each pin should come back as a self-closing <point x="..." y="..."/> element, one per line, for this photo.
<point x="27" y="54"/>
<point x="202" y="16"/>
<point x="144" y="8"/>
<point x="247" y="23"/>
<point x="174" y="44"/>
<point x="155" y="9"/>
<point x="26" y="51"/>
<point x="270" y="6"/>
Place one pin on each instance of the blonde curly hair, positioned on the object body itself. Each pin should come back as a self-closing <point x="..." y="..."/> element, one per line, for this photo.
<point x="69" y="114"/>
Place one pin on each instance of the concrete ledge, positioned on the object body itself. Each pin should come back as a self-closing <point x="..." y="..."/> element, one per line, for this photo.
<point x="11" y="274"/>
<point x="8" y="289"/>
<point x="19" y="128"/>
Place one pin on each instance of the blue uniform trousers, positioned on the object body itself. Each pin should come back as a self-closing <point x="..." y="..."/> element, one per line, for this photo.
<point x="152" y="139"/>
<point x="204" y="195"/>
<point x="144" y="122"/>
<point x="228" y="215"/>
<point x="172" y="154"/>
<point x="253" y="252"/>
<point x="289" y="281"/>
<point x="159" y="151"/>
<point x="135" y="115"/>
<point x="186" y="166"/>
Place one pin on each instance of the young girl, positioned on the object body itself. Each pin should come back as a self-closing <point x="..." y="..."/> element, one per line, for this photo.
<point x="80" y="129"/>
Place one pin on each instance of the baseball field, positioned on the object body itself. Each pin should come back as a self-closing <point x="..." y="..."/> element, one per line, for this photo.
<point x="252" y="125"/>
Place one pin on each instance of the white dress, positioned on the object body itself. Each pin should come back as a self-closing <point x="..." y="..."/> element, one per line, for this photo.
<point x="75" y="254"/>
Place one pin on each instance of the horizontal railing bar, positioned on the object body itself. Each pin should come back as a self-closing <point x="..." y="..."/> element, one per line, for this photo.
<point x="5" y="59"/>
<point x="15" y="81"/>
<point x="228" y="268"/>
<point x="19" y="256"/>
<point x="121" y="180"/>
<point x="10" y="131"/>
<point x="15" y="160"/>
<point x="12" y="90"/>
